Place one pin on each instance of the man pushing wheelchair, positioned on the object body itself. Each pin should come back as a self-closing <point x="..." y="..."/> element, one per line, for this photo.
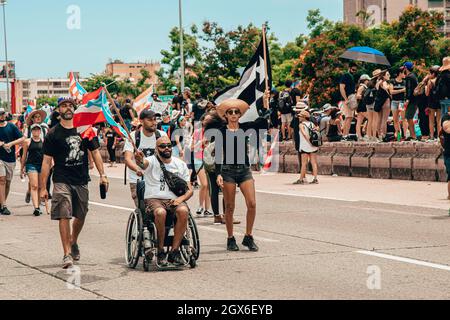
<point x="167" y="188"/>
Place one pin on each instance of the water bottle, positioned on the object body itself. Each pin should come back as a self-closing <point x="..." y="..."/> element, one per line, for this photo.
<point x="147" y="243"/>
<point x="399" y="136"/>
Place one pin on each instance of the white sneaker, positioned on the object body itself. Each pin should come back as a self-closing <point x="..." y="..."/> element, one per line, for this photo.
<point x="200" y="211"/>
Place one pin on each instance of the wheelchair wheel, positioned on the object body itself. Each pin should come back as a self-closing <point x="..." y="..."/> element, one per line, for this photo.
<point x="133" y="239"/>
<point x="195" y="237"/>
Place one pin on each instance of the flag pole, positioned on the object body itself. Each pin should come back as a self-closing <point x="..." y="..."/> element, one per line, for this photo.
<point x="266" y="76"/>
<point x="120" y="116"/>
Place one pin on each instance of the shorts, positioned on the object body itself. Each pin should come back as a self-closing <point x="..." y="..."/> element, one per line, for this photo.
<point x="236" y="174"/>
<point x="347" y="112"/>
<point x="397" y="105"/>
<point x="304" y="152"/>
<point x="447" y="166"/>
<point x="7" y="170"/>
<point x="411" y="111"/>
<point x="33" y="168"/>
<point x="286" y="118"/>
<point x="133" y="190"/>
<point x="69" y="201"/>
<point x="153" y="204"/>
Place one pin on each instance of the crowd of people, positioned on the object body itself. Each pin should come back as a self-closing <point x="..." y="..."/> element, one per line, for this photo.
<point x="180" y="140"/>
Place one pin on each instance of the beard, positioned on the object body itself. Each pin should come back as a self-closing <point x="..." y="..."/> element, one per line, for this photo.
<point x="166" y="154"/>
<point x="67" y="116"/>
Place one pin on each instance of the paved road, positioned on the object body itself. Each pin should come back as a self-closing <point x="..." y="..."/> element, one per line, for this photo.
<point x="311" y="248"/>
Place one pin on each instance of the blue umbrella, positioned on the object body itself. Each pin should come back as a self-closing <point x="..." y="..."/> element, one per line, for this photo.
<point x="366" y="54"/>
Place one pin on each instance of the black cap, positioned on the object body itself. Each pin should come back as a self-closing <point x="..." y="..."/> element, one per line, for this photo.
<point x="147" y="113"/>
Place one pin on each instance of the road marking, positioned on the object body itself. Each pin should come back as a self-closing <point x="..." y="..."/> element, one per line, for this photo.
<point x="238" y="234"/>
<point x="304" y="196"/>
<point x="392" y="211"/>
<point x="131" y="210"/>
<point x="406" y="260"/>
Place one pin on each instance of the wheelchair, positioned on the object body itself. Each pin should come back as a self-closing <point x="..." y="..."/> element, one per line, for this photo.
<point x="139" y="220"/>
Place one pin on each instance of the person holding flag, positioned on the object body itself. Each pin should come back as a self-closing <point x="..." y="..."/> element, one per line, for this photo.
<point x="69" y="152"/>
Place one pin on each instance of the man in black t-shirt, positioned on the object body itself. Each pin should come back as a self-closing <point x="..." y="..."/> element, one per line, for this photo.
<point x="70" y="154"/>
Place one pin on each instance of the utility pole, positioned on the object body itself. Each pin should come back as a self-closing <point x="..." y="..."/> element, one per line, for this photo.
<point x="3" y="3"/>
<point x="181" y="45"/>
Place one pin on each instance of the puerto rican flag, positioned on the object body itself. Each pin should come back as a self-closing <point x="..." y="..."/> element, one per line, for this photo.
<point x="76" y="89"/>
<point x="93" y="112"/>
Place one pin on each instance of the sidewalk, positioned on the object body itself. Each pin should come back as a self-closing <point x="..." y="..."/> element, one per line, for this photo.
<point x="410" y="193"/>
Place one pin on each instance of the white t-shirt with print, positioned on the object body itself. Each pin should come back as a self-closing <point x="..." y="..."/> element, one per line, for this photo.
<point x="155" y="184"/>
<point x="147" y="146"/>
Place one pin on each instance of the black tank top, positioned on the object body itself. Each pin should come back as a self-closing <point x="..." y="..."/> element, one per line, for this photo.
<point x="332" y="130"/>
<point x="35" y="153"/>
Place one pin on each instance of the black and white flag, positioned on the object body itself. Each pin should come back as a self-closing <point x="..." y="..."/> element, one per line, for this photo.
<point x="252" y="85"/>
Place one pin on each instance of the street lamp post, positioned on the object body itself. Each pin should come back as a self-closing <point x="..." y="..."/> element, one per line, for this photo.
<point x="3" y="3"/>
<point x="181" y="45"/>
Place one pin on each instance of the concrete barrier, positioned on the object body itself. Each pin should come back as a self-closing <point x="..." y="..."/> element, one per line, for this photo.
<point x="402" y="161"/>
<point x="291" y="161"/>
<point x="360" y="160"/>
<point x="424" y="167"/>
<point x="342" y="158"/>
<point x="325" y="158"/>
<point x="380" y="162"/>
<point x="441" y="170"/>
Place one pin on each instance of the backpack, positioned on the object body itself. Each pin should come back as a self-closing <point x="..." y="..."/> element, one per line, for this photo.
<point x="285" y="102"/>
<point x="147" y="152"/>
<point x="440" y="91"/>
<point x="369" y="96"/>
<point x="209" y="158"/>
<point x="314" y="136"/>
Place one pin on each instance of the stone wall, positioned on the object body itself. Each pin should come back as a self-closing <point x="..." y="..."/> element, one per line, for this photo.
<point x="417" y="161"/>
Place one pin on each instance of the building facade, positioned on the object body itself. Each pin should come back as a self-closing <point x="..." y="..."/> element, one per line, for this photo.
<point x="390" y="10"/>
<point x="132" y="71"/>
<point x="27" y="90"/>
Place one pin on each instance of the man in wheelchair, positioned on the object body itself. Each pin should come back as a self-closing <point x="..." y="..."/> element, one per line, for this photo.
<point x="161" y="201"/>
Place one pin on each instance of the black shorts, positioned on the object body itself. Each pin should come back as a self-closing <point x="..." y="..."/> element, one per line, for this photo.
<point x="236" y="174"/>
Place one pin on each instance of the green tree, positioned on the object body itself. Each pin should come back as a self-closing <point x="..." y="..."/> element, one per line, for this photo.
<point x="53" y="101"/>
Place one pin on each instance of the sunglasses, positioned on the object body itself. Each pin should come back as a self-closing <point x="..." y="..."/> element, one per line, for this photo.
<point x="165" y="146"/>
<point x="234" y="111"/>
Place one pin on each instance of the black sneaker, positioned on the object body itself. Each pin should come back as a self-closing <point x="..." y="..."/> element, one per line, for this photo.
<point x="231" y="245"/>
<point x="162" y="259"/>
<point x="75" y="252"/>
<point x="249" y="242"/>
<point x="37" y="212"/>
<point x="208" y="213"/>
<point x="176" y="259"/>
<point x="5" y="212"/>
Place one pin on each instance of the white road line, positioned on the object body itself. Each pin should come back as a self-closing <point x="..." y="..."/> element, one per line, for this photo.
<point x="131" y="210"/>
<point x="392" y="211"/>
<point x="304" y="196"/>
<point x="238" y="234"/>
<point x="406" y="260"/>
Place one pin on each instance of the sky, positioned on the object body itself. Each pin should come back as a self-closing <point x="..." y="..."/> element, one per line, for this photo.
<point x="43" y="45"/>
